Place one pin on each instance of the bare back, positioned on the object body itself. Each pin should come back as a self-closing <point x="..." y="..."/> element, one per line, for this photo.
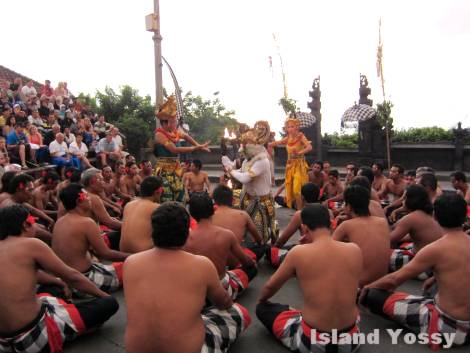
<point x="371" y="234"/>
<point x="164" y="302"/>
<point x="69" y="240"/>
<point x="234" y="220"/>
<point x="136" y="232"/>
<point x="18" y="271"/>
<point x="422" y="228"/>
<point x="328" y="273"/>
<point x="213" y="242"/>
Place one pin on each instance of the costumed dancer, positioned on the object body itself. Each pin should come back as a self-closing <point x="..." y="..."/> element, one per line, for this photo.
<point x="255" y="175"/>
<point x="296" y="168"/>
<point x="167" y="149"/>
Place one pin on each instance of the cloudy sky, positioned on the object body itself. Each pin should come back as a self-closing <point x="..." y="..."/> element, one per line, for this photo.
<point x="222" y="45"/>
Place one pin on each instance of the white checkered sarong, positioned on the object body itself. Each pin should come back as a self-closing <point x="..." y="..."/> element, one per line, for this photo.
<point x="108" y="278"/>
<point x="223" y="327"/>
<point x="400" y="257"/>
<point x="59" y="322"/>
<point x="421" y="314"/>
<point x="235" y="282"/>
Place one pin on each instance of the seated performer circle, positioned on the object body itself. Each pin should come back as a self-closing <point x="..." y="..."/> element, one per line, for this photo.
<point x="328" y="273"/>
<point x="447" y="312"/>
<point x="165" y="306"/>
<point x="30" y="322"/>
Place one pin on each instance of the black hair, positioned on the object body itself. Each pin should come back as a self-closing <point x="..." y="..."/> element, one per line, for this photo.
<point x="6" y="180"/>
<point x="197" y="163"/>
<point x="320" y="163"/>
<point x="334" y="173"/>
<point x="130" y="164"/>
<point x="368" y="173"/>
<point x="310" y="192"/>
<point x="379" y="166"/>
<point x="12" y="219"/>
<point x="429" y="180"/>
<point x="450" y="210"/>
<point x="411" y="173"/>
<point x="361" y="181"/>
<point x="200" y="206"/>
<point x="418" y="199"/>
<point x="50" y="177"/>
<point x="358" y="198"/>
<point x="459" y="176"/>
<point x="70" y="194"/>
<point x="315" y="216"/>
<point x="149" y="185"/>
<point x="223" y="195"/>
<point x="170" y="225"/>
<point x="401" y="170"/>
<point x="19" y="181"/>
<point x="73" y="174"/>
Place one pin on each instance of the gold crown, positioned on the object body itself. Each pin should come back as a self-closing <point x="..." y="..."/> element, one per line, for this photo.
<point x="168" y="109"/>
<point x="291" y="118"/>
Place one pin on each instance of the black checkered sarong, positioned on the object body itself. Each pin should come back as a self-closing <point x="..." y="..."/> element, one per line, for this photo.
<point x="56" y="323"/>
<point x="108" y="278"/>
<point x="403" y="255"/>
<point x="235" y="282"/>
<point x="223" y="327"/>
<point x="421" y="314"/>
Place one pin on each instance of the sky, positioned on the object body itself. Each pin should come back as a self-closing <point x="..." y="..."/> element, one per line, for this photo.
<point x="224" y="46"/>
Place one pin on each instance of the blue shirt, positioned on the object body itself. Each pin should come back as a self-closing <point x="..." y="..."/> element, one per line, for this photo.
<point x="14" y="139"/>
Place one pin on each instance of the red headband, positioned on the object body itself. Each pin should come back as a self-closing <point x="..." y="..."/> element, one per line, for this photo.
<point x="30" y="219"/>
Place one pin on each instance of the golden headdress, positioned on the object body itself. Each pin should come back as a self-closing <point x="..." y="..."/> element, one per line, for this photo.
<point x="291" y="118"/>
<point x="259" y="135"/>
<point x="168" y="109"/>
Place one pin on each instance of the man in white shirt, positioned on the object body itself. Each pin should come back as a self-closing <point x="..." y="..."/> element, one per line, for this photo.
<point x="60" y="154"/>
<point x="108" y="149"/>
<point x="29" y="91"/>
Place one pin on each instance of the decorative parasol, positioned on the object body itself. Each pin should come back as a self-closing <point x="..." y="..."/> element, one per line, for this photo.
<point x="357" y="113"/>
<point x="306" y="119"/>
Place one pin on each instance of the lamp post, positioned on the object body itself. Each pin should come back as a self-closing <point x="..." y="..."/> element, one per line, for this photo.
<point x="152" y="22"/>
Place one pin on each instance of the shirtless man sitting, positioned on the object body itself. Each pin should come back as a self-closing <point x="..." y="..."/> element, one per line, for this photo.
<point x="238" y="221"/>
<point x="180" y="323"/>
<point x="414" y="231"/>
<point x="448" y="313"/>
<point x="136" y="232"/>
<point x="195" y="180"/>
<point x="370" y="233"/>
<point x="76" y="234"/>
<point x="379" y="178"/>
<point x="146" y="169"/>
<point x="93" y="182"/>
<point x="333" y="187"/>
<point x="316" y="175"/>
<point x="33" y="323"/>
<point x="393" y="189"/>
<point x="44" y="195"/>
<point x="278" y="252"/>
<point x="217" y="244"/>
<point x="129" y="184"/>
<point x="328" y="273"/>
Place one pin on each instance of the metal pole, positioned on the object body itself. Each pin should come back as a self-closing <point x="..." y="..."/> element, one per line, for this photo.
<point x="157" y="38"/>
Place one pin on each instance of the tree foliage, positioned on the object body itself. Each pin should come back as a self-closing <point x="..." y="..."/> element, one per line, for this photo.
<point x="340" y="140"/>
<point x="289" y="105"/>
<point x="423" y="134"/>
<point x="207" y="118"/>
<point x="384" y="115"/>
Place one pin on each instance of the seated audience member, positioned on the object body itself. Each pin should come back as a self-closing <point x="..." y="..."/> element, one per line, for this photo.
<point x="351" y="172"/>
<point x="379" y="178"/>
<point x="410" y="177"/>
<point x="277" y="253"/>
<point x="160" y="276"/>
<point x="75" y="235"/>
<point x="107" y="150"/>
<point x="415" y="230"/>
<point x="136" y="232"/>
<point x="38" y="149"/>
<point x="394" y="188"/>
<point x="367" y="172"/>
<point x="101" y="127"/>
<point x="217" y="244"/>
<point x="18" y="146"/>
<point x="43" y="196"/>
<point x="328" y="273"/>
<point x="60" y="153"/>
<point x="375" y="208"/>
<point x="146" y="169"/>
<point x="334" y="186"/>
<point x="370" y="233"/>
<point x="30" y="322"/>
<point x="79" y="150"/>
<point x="448" y="312"/>
<point x="238" y="221"/>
